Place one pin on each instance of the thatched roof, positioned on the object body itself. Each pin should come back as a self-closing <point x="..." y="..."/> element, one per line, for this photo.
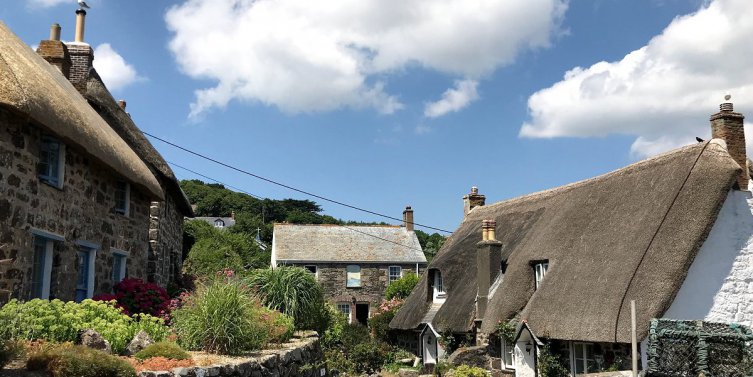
<point x="31" y="86"/>
<point x="627" y="235"/>
<point x="352" y="243"/>
<point x="103" y="102"/>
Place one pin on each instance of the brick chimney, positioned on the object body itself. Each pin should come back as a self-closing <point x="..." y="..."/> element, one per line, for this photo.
<point x="408" y="219"/>
<point x="55" y="51"/>
<point x="472" y="200"/>
<point x="488" y="260"/>
<point x="122" y="104"/>
<point x="82" y="55"/>
<point x="728" y="126"/>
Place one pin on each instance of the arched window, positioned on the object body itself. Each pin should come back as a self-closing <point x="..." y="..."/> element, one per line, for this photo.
<point x="219" y="223"/>
<point x="353" y="276"/>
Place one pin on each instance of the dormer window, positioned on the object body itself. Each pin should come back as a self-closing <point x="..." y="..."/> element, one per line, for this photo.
<point x="539" y="269"/>
<point x="438" y="294"/>
<point x="219" y="223"/>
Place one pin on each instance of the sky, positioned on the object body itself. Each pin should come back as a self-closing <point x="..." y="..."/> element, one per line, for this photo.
<point x="386" y="103"/>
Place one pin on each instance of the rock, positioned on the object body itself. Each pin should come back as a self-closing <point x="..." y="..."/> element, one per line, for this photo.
<point x="477" y="356"/>
<point x="138" y="343"/>
<point x="407" y="373"/>
<point x="92" y="339"/>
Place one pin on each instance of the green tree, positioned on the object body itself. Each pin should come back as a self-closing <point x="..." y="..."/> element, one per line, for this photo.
<point x="430" y="243"/>
<point x="402" y="287"/>
<point x="216" y="249"/>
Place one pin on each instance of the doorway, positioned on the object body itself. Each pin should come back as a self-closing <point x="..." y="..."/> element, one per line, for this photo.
<point x="362" y="313"/>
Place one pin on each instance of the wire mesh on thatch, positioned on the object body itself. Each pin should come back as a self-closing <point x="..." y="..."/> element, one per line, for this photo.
<point x="691" y="348"/>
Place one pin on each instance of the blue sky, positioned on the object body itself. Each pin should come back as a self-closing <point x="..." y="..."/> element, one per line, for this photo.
<point x="383" y="104"/>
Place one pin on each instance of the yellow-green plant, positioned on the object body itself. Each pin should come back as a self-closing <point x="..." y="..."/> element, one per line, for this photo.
<point x="59" y="321"/>
<point x="468" y="371"/>
<point x="168" y="350"/>
<point x="64" y="360"/>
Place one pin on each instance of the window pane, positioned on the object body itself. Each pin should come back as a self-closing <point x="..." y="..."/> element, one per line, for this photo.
<point x="117" y="268"/>
<point x="579" y="351"/>
<point x="40" y="246"/>
<point x="579" y="366"/>
<point x="311" y="269"/>
<point x="353" y="276"/>
<point x="395" y="273"/>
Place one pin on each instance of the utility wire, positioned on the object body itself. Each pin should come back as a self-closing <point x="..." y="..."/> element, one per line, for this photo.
<point x="284" y="185"/>
<point x="260" y="198"/>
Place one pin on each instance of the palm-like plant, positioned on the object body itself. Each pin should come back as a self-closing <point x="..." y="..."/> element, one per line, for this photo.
<point x="290" y="290"/>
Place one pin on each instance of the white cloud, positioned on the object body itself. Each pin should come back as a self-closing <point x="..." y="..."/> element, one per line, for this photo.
<point x="303" y="56"/>
<point x="453" y="99"/>
<point x="114" y="70"/>
<point x="662" y="93"/>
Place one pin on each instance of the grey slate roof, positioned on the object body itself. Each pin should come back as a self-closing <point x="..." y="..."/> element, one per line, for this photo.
<point x="333" y="243"/>
<point x="229" y="221"/>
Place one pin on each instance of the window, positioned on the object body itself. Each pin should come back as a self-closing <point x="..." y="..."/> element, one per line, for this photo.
<point x="352" y="276"/>
<point x="396" y="272"/>
<point x="584" y="358"/>
<point x="438" y="294"/>
<point x="85" y="280"/>
<point x="41" y="268"/>
<point x="51" y="161"/>
<point x="310" y="268"/>
<point x="119" y="261"/>
<point x="539" y="271"/>
<point x="219" y="223"/>
<point x="344" y="308"/>
<point x="508" y="355"/>
<point x="122" y="197"/>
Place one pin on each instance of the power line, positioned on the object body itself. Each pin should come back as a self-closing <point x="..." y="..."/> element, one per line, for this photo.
<point x="284" y="185"/>
<point x="260" y="198"/>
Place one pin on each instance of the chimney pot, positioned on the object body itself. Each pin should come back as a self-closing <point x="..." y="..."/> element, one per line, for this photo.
<point x="472" y="200"/>
<point x="728" y="126"/>
<point x="80" y="25"/>
<point x="55" y="32"/>
<point x="122" y="104"/>
<point x="408" y="219"/>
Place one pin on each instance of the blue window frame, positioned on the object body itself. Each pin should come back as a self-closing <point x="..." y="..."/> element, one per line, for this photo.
<point x="85" y="280"/>
<point x="118" y="267"/>
<point x="51" y="158"/>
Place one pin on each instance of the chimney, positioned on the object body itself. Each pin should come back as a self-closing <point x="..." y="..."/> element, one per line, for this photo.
<point x="728" y="126"/>
<point x="408" y="219"/>
<point x="55" y="52"/>
<point x="472" y="200"/>
<point x="122" y="104"/>
<point x="81" y="53"/>
<point x="232" y="213"/>
<point x="488" y="262"/>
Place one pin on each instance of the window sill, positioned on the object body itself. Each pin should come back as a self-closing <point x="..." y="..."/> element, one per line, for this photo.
<point x="58" y="187"/>
<point x="359" y="287"/>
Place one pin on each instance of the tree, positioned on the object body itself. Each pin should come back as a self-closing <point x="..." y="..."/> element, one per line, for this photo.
<point x="216" y="249"/>
<point x="402" y="287"/>
<point x="430" y="243"/>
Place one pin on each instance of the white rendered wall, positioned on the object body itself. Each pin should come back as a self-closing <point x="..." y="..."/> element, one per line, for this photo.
<point x="525" y="364"/>
<point x="719" y="285"/>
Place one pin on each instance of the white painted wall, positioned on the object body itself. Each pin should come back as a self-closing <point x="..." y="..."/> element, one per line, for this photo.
<point x="525" y="364"/>
<point x="719" y="285"/>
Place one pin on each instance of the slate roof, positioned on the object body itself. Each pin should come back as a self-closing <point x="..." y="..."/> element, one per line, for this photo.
<point x="31" y="86"/>
<point x="627" y="235"/>
<point x="333" y="243"/>
<point x="229" y="221"/>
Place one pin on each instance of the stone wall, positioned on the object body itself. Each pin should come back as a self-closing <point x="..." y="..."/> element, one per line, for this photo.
<point x="302" y="356"/>
<point x="165" y="240"/>
<point x="81" y="211"/>
<point x="374" y="280"/>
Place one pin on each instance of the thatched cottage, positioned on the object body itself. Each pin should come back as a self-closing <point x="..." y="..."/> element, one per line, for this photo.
<point x="354" y="264"/>
<point x="86" y="199"/>
<point x="673" y="232"/>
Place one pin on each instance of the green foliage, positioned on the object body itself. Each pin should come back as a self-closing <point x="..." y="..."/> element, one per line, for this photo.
<point x="368" y="357"/>
<point x="290" y="290"/>
<point x="222" y="317"/>
<point x="64" y="360"/>
<point x="59" y="321"/>
<point x="402" y="287"/>
<point x="353" y="334"/>
<point x="506" y="331"/>
<point x="337" y="361"/>
<point x="468" y="371"/>
<point x="168" y="350"/>
<point x="335" y="323"/>
<point x="430" y="243"/>
<point x="282" y="327"/>
<point x="379" y="324"/>
<point x="550" y="365"/>
<point x="216" y="249"/>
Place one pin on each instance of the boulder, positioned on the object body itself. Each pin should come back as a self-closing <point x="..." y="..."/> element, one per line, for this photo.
<point x="407" y="373"/>
<point x="477" y="356"/>
<point x="92" y="339"/>
<point x="138" y="343"/>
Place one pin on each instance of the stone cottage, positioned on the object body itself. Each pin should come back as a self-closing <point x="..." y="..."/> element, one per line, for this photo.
<point x="672" y="232"/>
<point x="354" y="264"/>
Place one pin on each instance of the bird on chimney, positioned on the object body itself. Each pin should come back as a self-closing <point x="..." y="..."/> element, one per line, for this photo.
<point x="82" y="4"/>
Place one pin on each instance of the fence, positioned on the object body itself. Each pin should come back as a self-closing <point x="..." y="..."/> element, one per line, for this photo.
<point x="694" y="348"/>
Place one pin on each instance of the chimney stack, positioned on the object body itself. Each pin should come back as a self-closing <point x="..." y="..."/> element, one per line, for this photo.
<point x="80" y="25"/>
<point x="728" y="126"/>
<point x="122" y="104"/>
<point x="472" y="200"/>
<point x="55" y="52"/>
<point x="488" y="262"/>
<point x="82" y="55"/>
<point x="408" y="219"/>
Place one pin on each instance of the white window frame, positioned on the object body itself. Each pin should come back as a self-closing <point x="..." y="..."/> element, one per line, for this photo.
<point x="348" y="274"/>
<point x="508" y="349"/>
<point x="121" y="274"/>
<point x="439" y="294"/>
<point x="308" y="268"/>
<point x="391" y="277"/>
<point x="348" y="312"/>
<point x="219" y="223"/>
<point x="539" y="270"/>
<point x="91" y="249"/>
<point x="46" y="177"/>
<point x="574" y="360"/>
<point x="125" y="210"/>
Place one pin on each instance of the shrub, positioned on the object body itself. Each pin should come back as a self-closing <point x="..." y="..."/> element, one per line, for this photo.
<point x="402" y="287"/>
<point x="63" y="360"/>
<point x="9" y="350"/>
<point x="468" y="371"/>
<point x="59" y="321"/>
<point x="336" y="361"/>
<point x="217" y="249"/>
<point x="551" y="365"/>
<point x="335" y="322"/>
<point x="135" y="296"/>
<point x="379" y="323"/>
<point x="368" y="357"/>
<point x="354" y="334"/>
<point x="168" y="350"/>
<point x="290" y="290"/>
<point x="221" y="317"/>
<point x="281" y="326"/>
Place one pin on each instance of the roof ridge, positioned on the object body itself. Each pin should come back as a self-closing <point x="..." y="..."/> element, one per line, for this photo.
<point x="344" y="225"/>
